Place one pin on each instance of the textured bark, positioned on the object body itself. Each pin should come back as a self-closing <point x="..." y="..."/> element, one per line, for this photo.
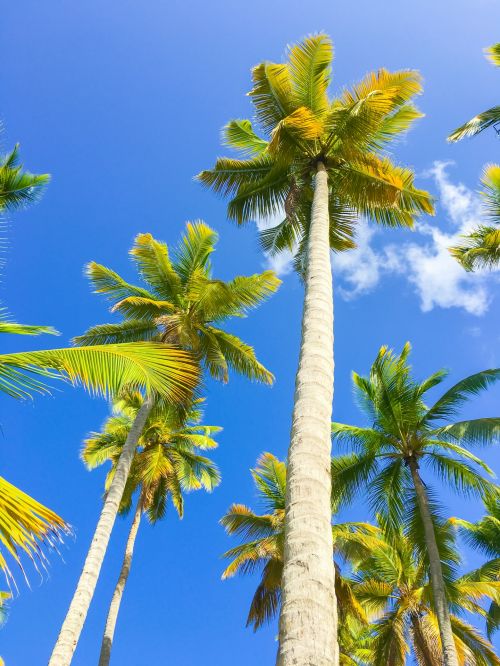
<point x="75" y="618"/>
<point x="116" y="599"/>
<point x="308" y="622"/>
<point x="437" y="580"/>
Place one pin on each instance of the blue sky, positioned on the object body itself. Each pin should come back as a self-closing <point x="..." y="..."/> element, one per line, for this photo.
<point x="122" y="102"/>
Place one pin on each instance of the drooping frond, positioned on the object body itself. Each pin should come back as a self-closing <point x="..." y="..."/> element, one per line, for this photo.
<point x="236" y="354"/>
<point x="26" y="526"/>
<point x="267" y="598"/>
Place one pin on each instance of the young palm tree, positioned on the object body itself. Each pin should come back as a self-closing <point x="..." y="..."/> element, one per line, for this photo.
<point x="485" y="537"/>
<point x="321" y="164"/>
<point x="404" y="434"/>
<point x="179" y="302"/>
<point x="166" y="465"/>
<point x="18" y="187"/>
<point x="481" y="248"/>
<point x="392" y="584"/>
<point x="262" y="549"/>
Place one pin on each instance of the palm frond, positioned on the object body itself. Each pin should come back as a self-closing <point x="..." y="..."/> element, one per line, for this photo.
<point x="155" y="267"/>
<point x="239" y="134"/>
<point x="309" y="66"/>
<point x="105" y="369"/>
<point x="18" y="187"/>
<point x="449" y="403"/>
<point x="26" y="526"/>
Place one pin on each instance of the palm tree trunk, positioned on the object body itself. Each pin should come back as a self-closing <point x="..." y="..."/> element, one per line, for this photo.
<point x="308" y="626"/>
<point x="75" y="618"/>
<point x="437" y="580"/>
<point x="114" y="607"/>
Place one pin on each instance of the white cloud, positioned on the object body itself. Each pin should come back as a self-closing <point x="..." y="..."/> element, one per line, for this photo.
<point x="438" y="280"/>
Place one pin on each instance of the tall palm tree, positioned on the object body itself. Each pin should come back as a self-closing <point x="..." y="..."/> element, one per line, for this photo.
<point x="180" y="302"/>
<point x="321" y="164"/>
<point x="262" y="548"/>
<point x="392" y="584"/>
<point x="166" y="465"/>
<point x="17" y="186"/>
<point x="403" y="434"/>
<point x="484" y="535"/>
<point x="481" y="247"/>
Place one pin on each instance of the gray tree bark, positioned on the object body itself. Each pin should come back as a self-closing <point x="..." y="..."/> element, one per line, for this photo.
<point x="69" y="635"/>
<point x="308" y="619"/>
<point x="116" y="599"/>
<point x="437" y="580"/>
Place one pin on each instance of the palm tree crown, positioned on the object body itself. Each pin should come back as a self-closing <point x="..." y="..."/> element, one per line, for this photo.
<point x="302" y="126"/>
<point x="393" y="586"/>
<point x="181" y="303"/>
<point x="166" y="462"/>
<point x="262" y="545"/>
<point x="404" y="429"/>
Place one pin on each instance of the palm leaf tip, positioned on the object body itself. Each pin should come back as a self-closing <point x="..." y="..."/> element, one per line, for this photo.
<point x="25" y="527"/>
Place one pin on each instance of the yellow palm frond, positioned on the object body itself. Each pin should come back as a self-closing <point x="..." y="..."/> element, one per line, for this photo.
<point x="26" y="526"/>
<point x="104" y="369"/>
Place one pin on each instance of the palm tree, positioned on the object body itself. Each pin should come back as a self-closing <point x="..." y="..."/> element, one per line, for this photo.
<point x="166" y="464"/>
<point x="262" y="547"/>
<point x="404" y="434"/>
<point x="484" y="535"/>
<point x="392" y="584"/>
<point x="18" y="187"/>
<point x="321" y="164"/>
<point x="179" y="302"/>
<point x="481" y="247"/>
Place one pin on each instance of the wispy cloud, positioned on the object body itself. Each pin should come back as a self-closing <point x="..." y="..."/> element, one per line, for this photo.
<point x="437" y="279"/>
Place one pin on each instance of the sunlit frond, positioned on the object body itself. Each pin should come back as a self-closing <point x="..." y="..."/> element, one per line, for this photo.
<point x="18" y="187"/>
<point x="26" y="527"/>
<point x="104" y="369"/>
